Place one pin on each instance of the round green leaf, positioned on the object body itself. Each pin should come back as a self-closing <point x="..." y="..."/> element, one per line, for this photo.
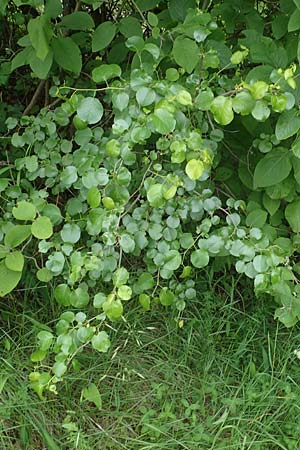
<point x="42" y="228"/>
<point x="145" y="96"/>
<point x="120" y="277"/>
<point x="70" y="233"/>
<point x="287" y="125"/>
<point x="15" y="261"/>
<point x="38" y="355"/>
<point x="194" y="169"/>
<point x="59" y="368"/>
<point x="90" y="110"/>
<point x="124" y="292"/>
<point x="93" y="197"/>
<point x="162" y="121"/>
<point x="99" y="299"/>
<point x="186" y="53"/>
<point x="243" y="103"/>
<point x="101" y="342"/>
<point x="113" y="309"/>
<point x="199" y="258"/>
<point x="62" y="294"/>
<point x="127" y="243"/>
<point x="24" y="211"/>
<point x="56" y="262"/>
<point x="105" y="72"/>
<point x="144" y="282"/>
<point x="155" y="195"/>
<point x="221" y="108"/>
<point x="45" y="339"/>
<point x="166" y="297"/>
<point x="79" y="298"/>
<point x="261" y="111"/>
<point x="44" y="275"/>
<point x="172" y="260"/>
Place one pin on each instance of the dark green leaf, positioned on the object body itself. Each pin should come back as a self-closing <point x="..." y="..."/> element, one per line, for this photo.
<point x="103" y="36"/>
<point x="130" y="26"/>
<point x="294" y="21"/>
<point x="273" y="168"/>
<point x="53" y="8"/>
<point x="287" y="125"/>
<point x="40" y="68"/>
<point x="256" y="218"/>
<point x="178" y="8"/>
<point x="78" y="20"/>
<point x="292" y="215"/>
<point x="67" y="54"/>
<point x="186" y="53"/>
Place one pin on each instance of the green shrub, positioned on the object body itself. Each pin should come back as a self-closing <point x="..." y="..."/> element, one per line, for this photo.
<point x="177" y="146"/>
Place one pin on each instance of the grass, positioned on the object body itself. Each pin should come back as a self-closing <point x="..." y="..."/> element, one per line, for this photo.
<point x="228" y="379"/>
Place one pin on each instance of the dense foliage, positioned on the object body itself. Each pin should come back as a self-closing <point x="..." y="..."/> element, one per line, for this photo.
<point x="149" y="139"/>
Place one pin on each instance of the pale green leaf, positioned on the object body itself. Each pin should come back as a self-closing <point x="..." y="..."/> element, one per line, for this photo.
<point x="221" y="108"/>
<point x="101" y="342"/>
<point x="105" y="72"/>
<point x="194" y="169"/>
<point x="90" y="110"/>
<point x="16" y="235"/>
<point x="162" y="121"/>
<point x="199" y="258"/>
<point x="9" y="279"/>
<point x="42" y="228"/>
<point x="15" y="261"/>
<point x="24" y="211"/>
<point x="92" y="394"/>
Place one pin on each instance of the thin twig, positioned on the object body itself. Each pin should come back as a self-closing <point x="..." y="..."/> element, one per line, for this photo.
<point x="205" y="4"/>
<point x="135" y="192"/>
<point x="210" y="120"/>
<point x="34" y="97"/>
<point x="139" y="11"/>
<point x="77" y="7"/>
<point x="46" y="93"/>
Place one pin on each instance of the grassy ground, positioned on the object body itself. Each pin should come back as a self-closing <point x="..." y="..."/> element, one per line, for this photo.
<point x="228" y="379"/>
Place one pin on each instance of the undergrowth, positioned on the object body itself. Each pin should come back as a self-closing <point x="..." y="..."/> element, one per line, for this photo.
<point x="223" y="375"/>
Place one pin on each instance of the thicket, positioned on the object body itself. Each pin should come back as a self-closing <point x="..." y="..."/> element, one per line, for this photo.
<point x="141" y="142"/>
